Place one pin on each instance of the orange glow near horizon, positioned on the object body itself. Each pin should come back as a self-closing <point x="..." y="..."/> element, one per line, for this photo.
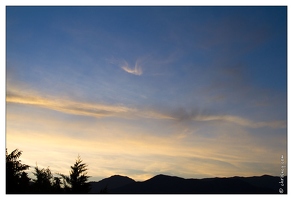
<point x="123" y="149"/>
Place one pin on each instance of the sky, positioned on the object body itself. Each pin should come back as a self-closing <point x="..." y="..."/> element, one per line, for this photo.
<point x="190" y="91"/>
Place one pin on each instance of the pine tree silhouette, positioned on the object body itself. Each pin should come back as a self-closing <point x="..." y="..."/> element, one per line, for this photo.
<point x="76" y="182"/>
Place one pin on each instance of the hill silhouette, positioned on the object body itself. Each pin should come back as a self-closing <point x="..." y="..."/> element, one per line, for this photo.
<point x="110" y="183"/>
<point x="163" y="184"/>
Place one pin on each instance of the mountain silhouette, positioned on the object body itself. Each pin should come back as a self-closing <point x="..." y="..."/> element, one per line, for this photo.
<point x="266" y="181"/>
<point x="163" y="184"/>
<point x="110" y="183"/>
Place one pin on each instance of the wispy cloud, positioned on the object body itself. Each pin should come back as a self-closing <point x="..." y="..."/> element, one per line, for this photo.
<point x="103" y="110"/>
<point x="242" y="121"/>
<point x="123" y="64"/>
<point x="204" y="116"/>
<point x="67" y="106"/>
<point x="97" y="110"/>
<point x="137" y="70"/>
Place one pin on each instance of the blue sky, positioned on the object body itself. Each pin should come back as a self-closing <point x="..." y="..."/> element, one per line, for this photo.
<point x="137" y="91"/>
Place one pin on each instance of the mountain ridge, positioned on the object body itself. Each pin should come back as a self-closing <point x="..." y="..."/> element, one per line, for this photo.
<point x="165" y="184"/>
<point x="110" y="183"/>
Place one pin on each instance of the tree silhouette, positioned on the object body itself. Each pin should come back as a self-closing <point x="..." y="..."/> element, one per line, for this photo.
<point x="18" y="182"/>
<point x="46" y="183"/>
<point x="57" y="185"/>
<point x="24" y="183"/>
<point x="43" y="182"/>
<point x="76" y="182"/>
<point x="16" y="179"/>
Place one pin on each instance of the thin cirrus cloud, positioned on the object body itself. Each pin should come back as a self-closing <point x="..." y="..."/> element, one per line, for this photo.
<point x="125" y="66"/>
<point x="137" y="70"/>
<point x="102" y="110"/>
<point x="242" y="121"/>
<point x="199" y="116"/>
<point x="67" y="106"/>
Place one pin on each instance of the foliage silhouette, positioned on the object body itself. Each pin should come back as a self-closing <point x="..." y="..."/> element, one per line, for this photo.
<point x="24" y="183"/>
<point x="57" y="186"/>
<point x="17" y="181"/>
<point x="76" y="182"/>
<point x="42" y="183"/>
<point x="46" y="183"/>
